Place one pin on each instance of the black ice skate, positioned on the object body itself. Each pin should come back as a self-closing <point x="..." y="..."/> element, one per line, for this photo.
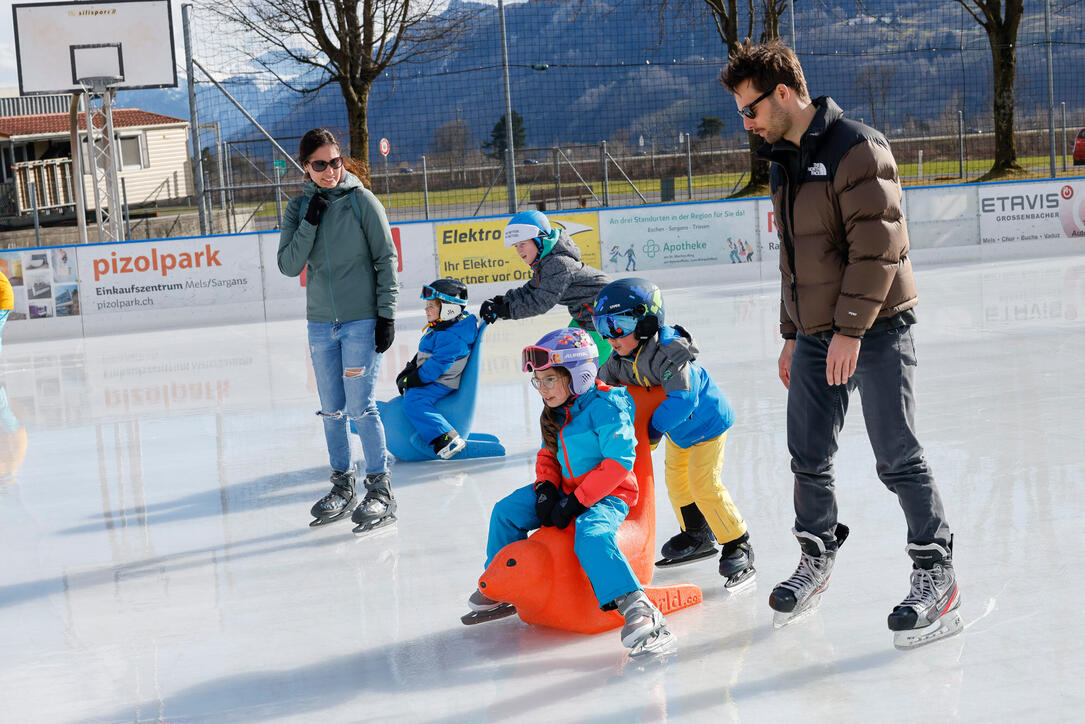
<point x="448" y="444"/>
<point x="799" y="596"/>
<point x="736" y="564"/>
<point x="378" y="508"/>
<point x="932" y="609"/>
<point x="338" y="502"/>
<point x="483" y="608"/>
<point x="645" y="632"/>
<point x="691" y="544"/>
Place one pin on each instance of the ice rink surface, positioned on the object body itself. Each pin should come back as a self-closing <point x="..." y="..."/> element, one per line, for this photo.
<point x="158" y="565"/>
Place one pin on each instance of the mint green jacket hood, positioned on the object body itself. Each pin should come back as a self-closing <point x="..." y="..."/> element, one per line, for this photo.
<point x="349" y="258"/>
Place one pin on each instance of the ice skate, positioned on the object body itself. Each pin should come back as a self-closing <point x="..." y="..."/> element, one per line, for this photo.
<point x="931" y="611"/>
<point x="736" y="565"/>
<point x="691" y="544"/>
<point x="378" y="508"/>
<point x="645" y="631"/>
<point x="448" y="444"/>
<point x="338" y="503"/>
<point x="799" y="596"/>
<point x="483" y="609"/>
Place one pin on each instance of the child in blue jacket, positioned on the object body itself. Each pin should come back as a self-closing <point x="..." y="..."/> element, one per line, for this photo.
<point x="584" y="477"/>
<point x="435" y="371"/>
<point x="695" y="417"/>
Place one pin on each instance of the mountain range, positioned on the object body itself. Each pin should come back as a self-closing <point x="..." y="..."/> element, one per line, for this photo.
<point x="608" y="69"/>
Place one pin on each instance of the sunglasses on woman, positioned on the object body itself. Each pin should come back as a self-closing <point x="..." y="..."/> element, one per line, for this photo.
<point x="320" y="166"/>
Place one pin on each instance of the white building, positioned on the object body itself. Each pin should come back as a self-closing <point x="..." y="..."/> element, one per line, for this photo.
<point x="152" y="152"/>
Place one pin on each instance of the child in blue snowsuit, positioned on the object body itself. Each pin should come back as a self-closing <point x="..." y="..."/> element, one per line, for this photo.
<point x="435" y="371"/>
<point x="695" y="418"/>
<point x="584" y="478"/>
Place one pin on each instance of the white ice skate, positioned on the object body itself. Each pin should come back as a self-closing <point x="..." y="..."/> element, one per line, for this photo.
<point x="645" y="632"/>
<point x="799" y="596"/>
<point x="931" y="611"/>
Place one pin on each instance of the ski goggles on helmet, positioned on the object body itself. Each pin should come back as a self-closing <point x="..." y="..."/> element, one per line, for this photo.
<point x="537" y="358"/>
<point x="429" y="293"/>
<point x="612" y="326"/>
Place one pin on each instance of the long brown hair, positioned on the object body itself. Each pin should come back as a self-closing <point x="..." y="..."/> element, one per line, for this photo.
<point x="317" y="137"/>
<point x="553" y="418"/>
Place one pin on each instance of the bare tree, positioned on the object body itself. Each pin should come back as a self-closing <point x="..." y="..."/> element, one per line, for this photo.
<point x="725" y="13"/>
<point x="352" y="41"/>
<point x="1001" y="19"/>
<point x="874" y="81"/>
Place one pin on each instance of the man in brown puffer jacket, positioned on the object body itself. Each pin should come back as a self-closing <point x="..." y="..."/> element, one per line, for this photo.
<point x="846" y="315"/>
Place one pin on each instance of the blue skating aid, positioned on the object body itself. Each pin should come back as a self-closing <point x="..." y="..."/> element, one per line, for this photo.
<point x="458" y="408"/>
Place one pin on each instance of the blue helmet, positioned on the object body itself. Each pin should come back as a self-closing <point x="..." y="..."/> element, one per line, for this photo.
<point x="628" y="306"/>
<point x="535" y="226"/>
<point x="571" y="348"/>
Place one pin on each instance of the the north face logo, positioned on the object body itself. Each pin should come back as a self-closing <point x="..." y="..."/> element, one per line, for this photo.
<point x="818" y="169"/>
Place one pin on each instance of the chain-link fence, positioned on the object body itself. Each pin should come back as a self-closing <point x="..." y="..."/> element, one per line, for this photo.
<point x="618" y="103"/>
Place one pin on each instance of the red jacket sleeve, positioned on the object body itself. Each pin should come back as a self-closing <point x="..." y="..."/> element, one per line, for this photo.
<point x="547" y="467"/>
<point x="602" y="480"/>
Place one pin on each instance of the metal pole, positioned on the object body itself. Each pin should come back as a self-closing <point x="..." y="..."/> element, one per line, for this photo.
<point x="425" y="186"/>
<point x="32" y="187"/>
<point x="278" y="199"/>
<point x="210" y="208"/>
<point x="919" y="171"/>
<point x="1050" y="86"/>
<point x="193" y="117"/>
<point x="960" y="143"/>
<point x="510" y="144"/>
<point x="1063" y="105"/>
<point x="218" y="163"/>
<point x="791" y="15"/>
<point x="387" y="189"/>
<point x="689" y="167"/>
<point x="124" y="204"/>
<point x="77" y="169"/>
<point x="606" y="172"/>
<point x="230" y="206"/>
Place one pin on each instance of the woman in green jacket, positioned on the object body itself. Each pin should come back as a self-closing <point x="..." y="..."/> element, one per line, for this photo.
<point x="336" y="231"/>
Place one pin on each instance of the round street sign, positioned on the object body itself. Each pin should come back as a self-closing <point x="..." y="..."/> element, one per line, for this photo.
<point x="385" y="147"/>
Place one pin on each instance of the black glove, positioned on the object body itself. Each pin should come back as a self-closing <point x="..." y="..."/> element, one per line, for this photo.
<point x="408" y="379"/>
<point x="654" y="435"/>
<point x="546" y="498"/>
<point x="494" y="309"/>
<point x="565" y="511"/>
<point x="384" y="333"/>
<point x="317" y="206"/>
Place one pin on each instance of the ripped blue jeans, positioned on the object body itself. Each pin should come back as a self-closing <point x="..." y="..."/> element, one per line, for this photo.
<point x="346" y="364"/>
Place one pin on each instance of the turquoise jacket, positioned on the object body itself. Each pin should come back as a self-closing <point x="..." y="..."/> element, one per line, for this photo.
<point x="350" y="257"/>
<point x="596" y="447"/>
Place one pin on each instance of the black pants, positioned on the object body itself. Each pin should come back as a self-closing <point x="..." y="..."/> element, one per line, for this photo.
<point x="884" y="377"/>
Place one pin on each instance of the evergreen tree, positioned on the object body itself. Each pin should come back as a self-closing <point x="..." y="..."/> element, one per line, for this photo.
<point x="495" y="147"/>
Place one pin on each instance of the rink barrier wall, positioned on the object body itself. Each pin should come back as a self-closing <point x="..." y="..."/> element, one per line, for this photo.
<point x="98" y="289"/>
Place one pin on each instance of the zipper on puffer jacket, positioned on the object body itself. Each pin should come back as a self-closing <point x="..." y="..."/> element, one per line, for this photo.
<point x="789" y="236"/>
<point x="564" y="450"/>
<point x="328" y="264"/>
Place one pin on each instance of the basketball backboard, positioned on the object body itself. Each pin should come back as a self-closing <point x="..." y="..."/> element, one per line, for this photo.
<point x="58" y="43"/>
